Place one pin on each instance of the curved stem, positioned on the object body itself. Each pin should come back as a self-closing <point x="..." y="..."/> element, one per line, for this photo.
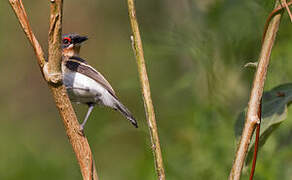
<point x="255" y="153"/>
<point x="256" y="95"/>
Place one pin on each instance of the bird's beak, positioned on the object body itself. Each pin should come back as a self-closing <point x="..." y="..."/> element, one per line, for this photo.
<point x="80" y="39"/>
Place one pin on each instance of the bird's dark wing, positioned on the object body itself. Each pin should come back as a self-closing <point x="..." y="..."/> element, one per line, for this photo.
<point x="78" y="59"/>
<point x="79" y="65"/>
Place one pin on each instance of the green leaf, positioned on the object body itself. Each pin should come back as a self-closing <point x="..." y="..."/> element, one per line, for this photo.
<point x="274" y="112"/>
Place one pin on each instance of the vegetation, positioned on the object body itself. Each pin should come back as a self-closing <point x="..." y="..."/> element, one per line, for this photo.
<point x="195" y="52"/>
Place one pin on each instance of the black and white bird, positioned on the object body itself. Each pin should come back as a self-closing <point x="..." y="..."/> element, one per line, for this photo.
<point x="85" y="84"/>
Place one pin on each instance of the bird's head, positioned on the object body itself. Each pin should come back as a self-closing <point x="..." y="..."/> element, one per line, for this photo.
<point x="71" y="44"/>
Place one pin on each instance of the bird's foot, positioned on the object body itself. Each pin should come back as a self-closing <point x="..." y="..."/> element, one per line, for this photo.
<point x="81" y="130"/>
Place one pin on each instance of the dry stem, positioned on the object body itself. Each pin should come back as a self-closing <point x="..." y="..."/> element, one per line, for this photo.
<point x="138" y="51"/>
<point x="255" y="97"/>
<point x="52" y="76"/>
<point x="288" y="10"/>
<point x="256" y="144"/>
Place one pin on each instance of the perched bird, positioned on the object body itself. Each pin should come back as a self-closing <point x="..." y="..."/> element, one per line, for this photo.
<point x="85" y="84"/>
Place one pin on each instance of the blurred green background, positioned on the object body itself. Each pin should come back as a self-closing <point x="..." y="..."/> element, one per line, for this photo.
<point x="195" y="52"/>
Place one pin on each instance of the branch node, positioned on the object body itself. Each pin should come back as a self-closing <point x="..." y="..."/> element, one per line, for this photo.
<point x="54" y="78"/>
<point x="254" y="120"/>
<point x="153" y="147"/>
<point x="133" y="45"/>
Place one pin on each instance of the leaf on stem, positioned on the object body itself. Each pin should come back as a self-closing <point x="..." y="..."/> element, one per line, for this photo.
<point x="274" y="112"/>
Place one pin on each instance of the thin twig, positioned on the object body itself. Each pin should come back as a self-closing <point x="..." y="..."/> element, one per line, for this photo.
<point x="138" y="51"/>
<point x="258" y="126"/>
<point x="256" y="144"/>
<point x="22" y="18"/>
<point x="51" y="69"/>
<point x="272" y="14"/>
<point x="256" y="94"/>
<point x="288" y="10"/>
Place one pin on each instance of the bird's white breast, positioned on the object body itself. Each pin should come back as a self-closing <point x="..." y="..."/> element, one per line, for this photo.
<point x="83" y="89"/>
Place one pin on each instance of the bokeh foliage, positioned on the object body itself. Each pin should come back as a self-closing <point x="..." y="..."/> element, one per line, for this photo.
<point x="195" y="52"/>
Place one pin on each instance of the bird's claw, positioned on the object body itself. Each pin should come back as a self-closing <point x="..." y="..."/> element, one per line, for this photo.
<point x="81" y="130"/>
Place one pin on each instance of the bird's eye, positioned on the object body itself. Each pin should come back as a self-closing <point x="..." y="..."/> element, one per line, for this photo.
<point x="66" y="40"/>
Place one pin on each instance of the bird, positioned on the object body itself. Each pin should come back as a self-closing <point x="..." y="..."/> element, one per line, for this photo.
<point x="84" y="84"/>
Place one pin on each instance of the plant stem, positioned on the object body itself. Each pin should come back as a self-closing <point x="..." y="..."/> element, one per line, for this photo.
<point x="55" y="37"/>
<point x="256" y="144"/>
<point x="52" y="76"/>
<point x="150" y="115"/>
<point x="256" y="94"/>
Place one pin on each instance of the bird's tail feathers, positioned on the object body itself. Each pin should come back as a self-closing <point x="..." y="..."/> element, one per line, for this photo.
<point x="124" y="111"/>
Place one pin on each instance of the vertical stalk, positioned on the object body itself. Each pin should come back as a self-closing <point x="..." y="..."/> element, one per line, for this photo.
<point x="150" y="115"/>
<point x="256" y="94"/>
